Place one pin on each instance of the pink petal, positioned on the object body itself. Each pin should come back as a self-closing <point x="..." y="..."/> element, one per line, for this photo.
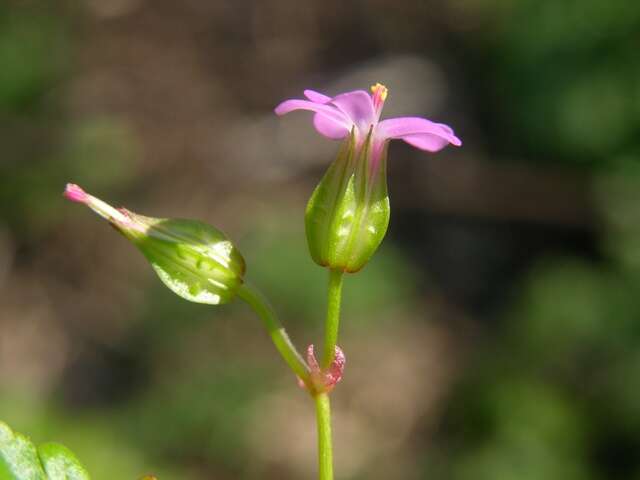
<point x="426" y="141"/>
<point x="358" y="106"/>
<point x="316" y="97"/>
<point x="418" y="132"/>
<point x="329" y="121"/>
<point x="74" y="193"/>
<point x="328" y="127"/>
<point x="447" y="128"/>
<point x="291" y="105"/>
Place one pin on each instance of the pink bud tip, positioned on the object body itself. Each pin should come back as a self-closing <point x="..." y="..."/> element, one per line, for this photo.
<point x="74" y="193"/>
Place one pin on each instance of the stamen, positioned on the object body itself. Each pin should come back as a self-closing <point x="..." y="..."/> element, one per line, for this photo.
<point x="379" y="92"/>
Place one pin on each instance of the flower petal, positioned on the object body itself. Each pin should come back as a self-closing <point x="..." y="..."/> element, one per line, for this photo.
<point x="358" y="106"/>
<point x="426" y="141"/>
<point x="418" y="132"/>
<point x="328" y="120"/>
<point x="291" y="105"/>
<point x="329" y="127"/>
<point x="316" y="97"/>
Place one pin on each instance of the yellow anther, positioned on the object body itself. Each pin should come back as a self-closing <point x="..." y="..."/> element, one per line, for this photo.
<point x="379" y="91"/>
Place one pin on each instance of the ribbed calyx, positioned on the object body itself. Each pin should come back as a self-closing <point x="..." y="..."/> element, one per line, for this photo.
<point x="348" y="214"/>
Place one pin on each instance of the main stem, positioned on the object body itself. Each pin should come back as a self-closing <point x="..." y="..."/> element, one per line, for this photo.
<point x="325" y="449"/>
<point x="290" y="355"/>
<point x="333" y="317"/>
<point x="323" y="404"/>
<point x="278" y="334"/>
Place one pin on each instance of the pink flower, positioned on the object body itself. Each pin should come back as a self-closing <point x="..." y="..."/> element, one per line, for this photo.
<point x="348" y="213"/>
<point x="360" y="111"/>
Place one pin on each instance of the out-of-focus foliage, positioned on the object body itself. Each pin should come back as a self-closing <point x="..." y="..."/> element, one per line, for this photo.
<point x="494" y="335"/>
<point x="553" y="396"/>
<point x="562" y="77"/>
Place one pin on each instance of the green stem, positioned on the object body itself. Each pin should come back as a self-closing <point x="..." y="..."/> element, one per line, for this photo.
<point x="278" y="334"/>
<point x="333" y="316"/>
<point x="325" y="449"/>
<point x="323" y="405"/>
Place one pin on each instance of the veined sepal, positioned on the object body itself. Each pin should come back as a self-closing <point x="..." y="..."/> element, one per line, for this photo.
<point x="193" y="259"/>
<point x="348" y="213"/>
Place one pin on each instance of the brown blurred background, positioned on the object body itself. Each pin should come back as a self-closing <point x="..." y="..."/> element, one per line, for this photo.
<point x="495" y="336"/>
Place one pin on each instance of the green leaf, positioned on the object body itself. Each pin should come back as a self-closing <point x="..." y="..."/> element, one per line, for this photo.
<point x="60" y="463"/>
<point x="20" y="460"/>
<point x="18" y="457"/>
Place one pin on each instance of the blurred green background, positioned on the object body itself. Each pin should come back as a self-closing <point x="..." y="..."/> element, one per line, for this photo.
<point x="495" y="336"/>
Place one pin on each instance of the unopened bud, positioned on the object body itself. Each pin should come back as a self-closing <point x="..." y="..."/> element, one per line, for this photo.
<point x="192" y="258"/>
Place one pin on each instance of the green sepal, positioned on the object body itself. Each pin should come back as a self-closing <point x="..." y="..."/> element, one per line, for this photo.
<point x="348" y="213"/>
<point x="195" y="260"/>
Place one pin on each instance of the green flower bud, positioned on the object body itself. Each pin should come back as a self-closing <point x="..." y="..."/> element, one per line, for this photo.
<point x="192" y="258"/>
<point x="348" y="214"/>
